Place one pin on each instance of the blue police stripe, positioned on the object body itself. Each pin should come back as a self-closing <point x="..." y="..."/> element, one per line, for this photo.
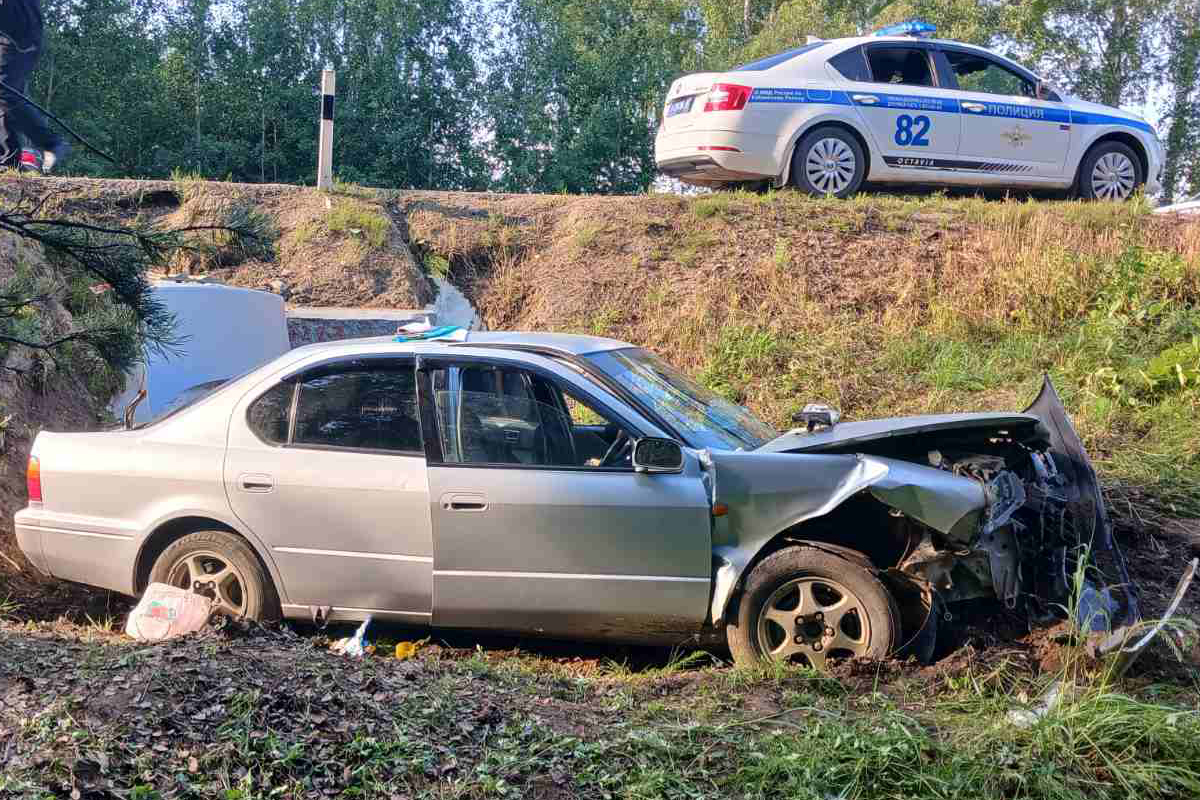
<point x="912" y="102"/>
<point x="1085" y="118"/>
<point x="823" y="96"/>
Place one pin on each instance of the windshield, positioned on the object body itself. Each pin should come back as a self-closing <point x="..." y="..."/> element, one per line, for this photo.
<point x="702" y="417"/>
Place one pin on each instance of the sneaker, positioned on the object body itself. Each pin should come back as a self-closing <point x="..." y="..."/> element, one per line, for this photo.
<point x="55" y="155"/>
<point x="30" y="161"/>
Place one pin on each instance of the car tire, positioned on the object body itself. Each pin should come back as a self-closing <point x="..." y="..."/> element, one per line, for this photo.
<point x="828" y="160"/>
<point x="222" y="566"/>
<point x="814" y="637"/>
<point x="1110" y="171"/>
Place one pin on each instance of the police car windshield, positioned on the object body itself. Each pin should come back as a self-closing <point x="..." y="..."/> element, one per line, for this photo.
<point x="778" y="58"/>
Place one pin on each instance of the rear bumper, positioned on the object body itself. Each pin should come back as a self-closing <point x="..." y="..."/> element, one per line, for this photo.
<point x="689" y="156"/>
<point x="82" y="550"/>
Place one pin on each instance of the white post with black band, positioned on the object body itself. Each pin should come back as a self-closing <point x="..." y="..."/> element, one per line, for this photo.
<point x="325" y="151"/>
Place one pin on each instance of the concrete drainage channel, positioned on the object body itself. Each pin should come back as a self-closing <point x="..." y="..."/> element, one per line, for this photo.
<point x="325" y="324"/>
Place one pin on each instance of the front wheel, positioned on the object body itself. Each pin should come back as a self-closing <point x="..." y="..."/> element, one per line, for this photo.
<point x="810" y="607"/>
<point x="1110" y="171"/>
<point x="828" y="161"/>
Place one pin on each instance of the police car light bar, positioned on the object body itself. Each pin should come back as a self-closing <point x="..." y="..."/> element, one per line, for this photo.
<point x="912" y="27"/>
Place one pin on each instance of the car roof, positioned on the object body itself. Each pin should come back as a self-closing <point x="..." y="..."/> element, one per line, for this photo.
<point x="566" y="343"/>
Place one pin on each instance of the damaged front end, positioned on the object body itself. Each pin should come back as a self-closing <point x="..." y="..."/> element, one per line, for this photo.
<point x="947" y="508"/>
<point x="1044" y="538"/>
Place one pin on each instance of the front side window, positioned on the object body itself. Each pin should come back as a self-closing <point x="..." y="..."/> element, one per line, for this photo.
<point x="359" y="408"/>
<point x="504" y="416"/>
<point x="906" y="66"/>
<point x="978" y="73"/>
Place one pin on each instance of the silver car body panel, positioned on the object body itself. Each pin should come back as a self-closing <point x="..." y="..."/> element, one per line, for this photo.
<point x="770" y="493"/>
<point x="850" y="434"/>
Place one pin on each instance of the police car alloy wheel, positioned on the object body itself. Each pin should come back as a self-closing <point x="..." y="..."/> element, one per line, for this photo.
<point x="828" y="161"/>
<point x="1110" y="172"/>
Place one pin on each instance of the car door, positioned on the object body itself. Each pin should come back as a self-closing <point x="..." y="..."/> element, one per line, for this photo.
<point x="914" y="122"/>
<point x="327" y="467"/>
<point x="539" y="521"/>
<point x="1006" y="129"/>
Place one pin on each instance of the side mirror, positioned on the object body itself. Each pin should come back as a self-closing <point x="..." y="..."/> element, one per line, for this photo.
<point x="657" y="455"/>
<point x="1042" y="90"/>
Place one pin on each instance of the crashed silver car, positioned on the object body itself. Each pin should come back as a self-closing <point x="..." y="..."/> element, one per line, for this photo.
<point x="576" y="487"/>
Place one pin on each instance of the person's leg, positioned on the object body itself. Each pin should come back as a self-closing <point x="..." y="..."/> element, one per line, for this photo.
<point x="22" y="117"/>
<point x="11" y="73"/>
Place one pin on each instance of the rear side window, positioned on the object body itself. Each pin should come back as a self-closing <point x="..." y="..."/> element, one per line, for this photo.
<point x="371" y="408"/>
<point x="904" y="66"/>
<point x="269" y="414"/>
<point x="852" y="65"/>
<point x="778" y="58"/>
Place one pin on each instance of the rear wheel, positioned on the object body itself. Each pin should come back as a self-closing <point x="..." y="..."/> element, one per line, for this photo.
<point x="223" y="568"/>
<point x="807" y="606"/>
<point x="828" y="161"/>
<point x="1110" y="171"/>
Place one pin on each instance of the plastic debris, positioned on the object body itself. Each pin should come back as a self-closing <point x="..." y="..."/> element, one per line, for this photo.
<point x="356" y="645"/>
<point x="420" y="331"/>
<point x="406" y="650"/>
<point x="166" y="611"/>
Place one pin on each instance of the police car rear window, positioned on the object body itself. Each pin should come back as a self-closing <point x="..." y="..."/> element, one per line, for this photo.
<point x="778" y="58"/>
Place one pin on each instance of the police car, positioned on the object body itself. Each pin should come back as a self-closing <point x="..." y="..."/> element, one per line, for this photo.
<point x="899" y="107"/>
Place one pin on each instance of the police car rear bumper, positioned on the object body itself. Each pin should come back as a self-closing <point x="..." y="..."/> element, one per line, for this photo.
<point x="710" y="156"/>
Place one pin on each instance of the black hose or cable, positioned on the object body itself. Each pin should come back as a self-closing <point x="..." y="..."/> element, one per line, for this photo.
<point x="64" y="125"/>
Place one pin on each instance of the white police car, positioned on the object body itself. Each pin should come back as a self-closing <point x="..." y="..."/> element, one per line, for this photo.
<point x="898" y="107"/>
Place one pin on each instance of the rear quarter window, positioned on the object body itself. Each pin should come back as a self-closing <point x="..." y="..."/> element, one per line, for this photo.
<point x="852" y="65"/>
<point x="268" y="416"/>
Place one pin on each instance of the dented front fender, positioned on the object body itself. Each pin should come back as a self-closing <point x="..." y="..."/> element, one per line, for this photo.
<point x="769" y="493"/>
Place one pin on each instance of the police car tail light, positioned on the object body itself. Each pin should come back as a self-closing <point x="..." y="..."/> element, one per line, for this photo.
<point x="727" y="97"/>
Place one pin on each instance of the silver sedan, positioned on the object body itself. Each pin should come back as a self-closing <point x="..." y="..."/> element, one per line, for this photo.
<point x="574" y="487"/>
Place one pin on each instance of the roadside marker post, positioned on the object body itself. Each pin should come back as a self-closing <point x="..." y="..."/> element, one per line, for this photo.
<point x="325" y="147"/>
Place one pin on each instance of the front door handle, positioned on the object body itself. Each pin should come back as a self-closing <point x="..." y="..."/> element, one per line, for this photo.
<point x="865" y="99"/>
<point x="256" y="482"/>
<point x="464" y="501"/>
<point x="976" y="107"/>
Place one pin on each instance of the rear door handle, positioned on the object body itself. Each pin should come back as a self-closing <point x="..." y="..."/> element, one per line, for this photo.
<point x="865" y="99"/>
<point x="976" y="107"/>
<point x="256" y="482"/>
<point x="464" y="501"/>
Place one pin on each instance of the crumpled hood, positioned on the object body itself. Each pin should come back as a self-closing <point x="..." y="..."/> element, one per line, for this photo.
<point x="844" y="436"/>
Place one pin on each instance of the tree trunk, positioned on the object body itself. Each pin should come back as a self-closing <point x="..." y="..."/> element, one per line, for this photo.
<point x="1183" y="69"/>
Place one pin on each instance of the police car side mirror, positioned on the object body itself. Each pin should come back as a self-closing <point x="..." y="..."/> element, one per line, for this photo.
<point x="1044" y="91"/>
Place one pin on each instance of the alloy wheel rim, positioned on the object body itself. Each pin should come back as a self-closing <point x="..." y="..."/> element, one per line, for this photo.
<point x="211" y="575"/>
<point x="811" y="620"/>
<point x="830" y="165"/>
<point x="1113" y="177"/>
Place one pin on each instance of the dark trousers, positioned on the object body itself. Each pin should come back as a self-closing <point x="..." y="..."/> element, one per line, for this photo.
<point x="16" y="115"/>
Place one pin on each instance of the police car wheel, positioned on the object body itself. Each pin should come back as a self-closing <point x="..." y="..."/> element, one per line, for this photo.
<point x="828" y="161"/>
<point x="1110" y="171"/>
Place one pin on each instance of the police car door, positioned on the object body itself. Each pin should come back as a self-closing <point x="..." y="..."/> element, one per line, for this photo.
<point x="1006" y="130"/>
<point x="914" y="122"/>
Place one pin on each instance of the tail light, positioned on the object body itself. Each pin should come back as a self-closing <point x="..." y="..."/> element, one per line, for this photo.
<point x="33" y="480"/>
<point x="727" y="97"/>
